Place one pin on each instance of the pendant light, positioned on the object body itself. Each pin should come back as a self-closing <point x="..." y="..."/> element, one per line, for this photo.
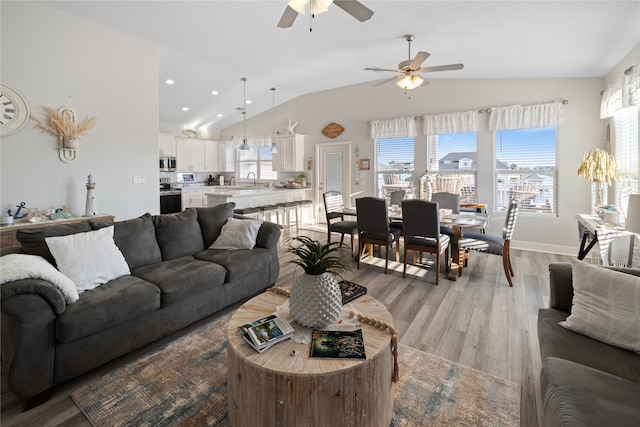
<point x="244" y="146"/>
<point x="274" y="147"/>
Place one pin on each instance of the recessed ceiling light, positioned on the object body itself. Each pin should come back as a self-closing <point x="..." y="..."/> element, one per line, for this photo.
<point x="169" y="81"/>
<point x="248" y="101"/>
<point x="185" y="108"/>
<point x="214" y="92"/>
<point x="219" y="115"/>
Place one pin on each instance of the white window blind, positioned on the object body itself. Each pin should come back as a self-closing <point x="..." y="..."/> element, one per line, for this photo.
<point x="452" y="161"/>
<point x="257" y="160"/>
<point x="394" y="165"/>
<point x="626" y="151"/>
<point x="526" y="169"/>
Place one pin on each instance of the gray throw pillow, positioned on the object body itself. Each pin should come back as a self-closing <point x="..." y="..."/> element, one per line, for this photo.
<point x="178" y="234"/>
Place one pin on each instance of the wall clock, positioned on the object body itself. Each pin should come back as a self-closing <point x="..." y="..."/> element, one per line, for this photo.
<point x="14" y="111"/>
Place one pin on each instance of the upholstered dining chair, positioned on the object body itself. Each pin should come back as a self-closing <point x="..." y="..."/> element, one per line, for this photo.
<point x="373" y="227"/>
<point x="333" y="205"/>
<point x="447" y="201"/>
<point x="495" y="245"/>
<point x="421" y="232"/>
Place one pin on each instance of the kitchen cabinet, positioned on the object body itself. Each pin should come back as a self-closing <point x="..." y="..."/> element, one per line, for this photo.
<point x="167" y="145"/>
<point x="226" y="156"/>
<point x="193" y="198"/>
<point x="211" y="161"/>
<point x="290" y="155"/>
<point x="190" y="155"/>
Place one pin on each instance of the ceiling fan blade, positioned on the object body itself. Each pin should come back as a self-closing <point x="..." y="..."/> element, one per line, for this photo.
<point x="355" y="8"/>
<point x="288" y="17"/>
<point x="418" y="60"/>
<point x="379" y="69"/>
<point x="390" y="79"/>
<point x="449" y="67"/>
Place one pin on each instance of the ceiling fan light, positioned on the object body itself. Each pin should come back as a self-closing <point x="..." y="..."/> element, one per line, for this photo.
<point x="409" y="82"/>
<point x="298" y="5"/>
<point x="320" y="6"/>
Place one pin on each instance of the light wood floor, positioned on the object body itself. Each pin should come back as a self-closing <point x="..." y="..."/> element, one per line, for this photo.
<point x="478" y="321"/>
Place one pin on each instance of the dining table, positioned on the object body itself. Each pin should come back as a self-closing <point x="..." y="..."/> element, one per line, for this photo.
<point x="457" y="222"/>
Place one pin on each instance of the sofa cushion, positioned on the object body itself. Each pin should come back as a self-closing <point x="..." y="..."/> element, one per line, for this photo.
<point x="116" y="302"/>
<point x="237" y="234"/>
<point x="136" y="238"/>
<point x="556" y="341"/>
<point x="182" y="277"/>
<point x="178" y="234"/>
<point x="89" y="259"/>
<point x="606" y="306"/>
<point x="212" y="219"/>
<point x="577" y="395"/>
<point x="237" y="263"/>
<point x="32" y="239"/>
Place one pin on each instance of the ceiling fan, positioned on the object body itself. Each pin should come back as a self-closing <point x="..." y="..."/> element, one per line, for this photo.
<point x="295" y="7"/>
<point x="409" y="69"/>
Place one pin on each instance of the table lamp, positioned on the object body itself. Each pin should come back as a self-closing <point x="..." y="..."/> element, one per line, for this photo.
<point x="601" y="168"/>
<point x="632" y="223"/>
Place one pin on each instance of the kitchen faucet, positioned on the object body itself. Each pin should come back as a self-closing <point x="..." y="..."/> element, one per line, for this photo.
<point x="254" y="177"/>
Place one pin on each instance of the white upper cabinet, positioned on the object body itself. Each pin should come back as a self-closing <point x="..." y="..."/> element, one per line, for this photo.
<point x="226" y="156"/>
<point x="190" y="155"/>
<point x="211" y="161"/>
<point x="167" y="145"/>
<point x="290" y="155"/>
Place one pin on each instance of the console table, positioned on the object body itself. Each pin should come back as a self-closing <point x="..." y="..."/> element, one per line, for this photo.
<point x="8" y="233"/>
<point x="285" y="387"/>
<point x="594" y="230"/>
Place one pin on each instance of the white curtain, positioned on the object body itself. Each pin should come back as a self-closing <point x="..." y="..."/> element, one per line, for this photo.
<point x="394" y="128"/>
<point x="527" y="116"/>
<point x="259" y="140"/>
<point x="623" y="93"/>
<point x="465" y="121"/>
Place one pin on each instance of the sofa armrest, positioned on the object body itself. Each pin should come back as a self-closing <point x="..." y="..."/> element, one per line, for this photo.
<point x="28" y="335"/>
<point x="44" y="289"/>
<point x="560" y="286"/>
<point x="268" y="235"/>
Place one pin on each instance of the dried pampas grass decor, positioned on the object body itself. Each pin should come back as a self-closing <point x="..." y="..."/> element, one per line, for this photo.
<point x="62" y="123"/>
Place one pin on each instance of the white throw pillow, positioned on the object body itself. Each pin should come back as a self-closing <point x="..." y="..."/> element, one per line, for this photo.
<point x="237" y="234"/>
<point x="89" y="259"/>
<point x="606" y="306"/>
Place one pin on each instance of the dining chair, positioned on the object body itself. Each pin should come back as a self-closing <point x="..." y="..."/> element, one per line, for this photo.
<point x="373" y="227"/>
<point x="495" y="245"/>
<point x="421" y="232"/>
<point x="447" y="201"/>
<point x="333" y="205"/>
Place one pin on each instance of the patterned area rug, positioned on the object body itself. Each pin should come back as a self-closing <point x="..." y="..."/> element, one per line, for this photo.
<point x="184" y="384"/>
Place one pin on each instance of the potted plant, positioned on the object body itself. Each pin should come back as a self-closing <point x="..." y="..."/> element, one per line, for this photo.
<point x="63" y="125"/>
<point x="302" y="176"/>
<point x="316" y="299"/>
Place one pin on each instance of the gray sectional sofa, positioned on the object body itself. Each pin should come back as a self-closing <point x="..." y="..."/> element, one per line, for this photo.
<point x="584" y="381"/>
<point x="175" y="280"/>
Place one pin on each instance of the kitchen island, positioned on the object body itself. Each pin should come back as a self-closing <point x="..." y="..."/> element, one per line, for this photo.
<point x="248" y="197"/>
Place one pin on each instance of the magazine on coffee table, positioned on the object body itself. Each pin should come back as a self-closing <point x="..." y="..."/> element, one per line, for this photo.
<point x="271" y="330"/>
<point x="337" y="344"/>
<point x="350" y="291"/>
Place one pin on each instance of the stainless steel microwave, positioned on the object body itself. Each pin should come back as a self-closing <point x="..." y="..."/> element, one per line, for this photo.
<point x="167" y="164"/>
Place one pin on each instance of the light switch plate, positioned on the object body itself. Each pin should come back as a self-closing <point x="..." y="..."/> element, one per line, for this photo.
<point x="138" y="179"/>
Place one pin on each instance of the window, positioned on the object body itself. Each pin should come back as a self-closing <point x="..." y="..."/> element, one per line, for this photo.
<point x="394" y="165"/>
<point x="526" y="169"/>
<point x="626" y="145"/>
<point x="256" y="160"/>
<point x="452" y="164"/>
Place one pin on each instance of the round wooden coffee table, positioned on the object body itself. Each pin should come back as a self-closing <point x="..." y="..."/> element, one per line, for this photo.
<point x="283" y="386"/>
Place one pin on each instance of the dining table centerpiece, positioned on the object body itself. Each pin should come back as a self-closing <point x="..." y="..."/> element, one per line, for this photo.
<point x="316" y="300"/>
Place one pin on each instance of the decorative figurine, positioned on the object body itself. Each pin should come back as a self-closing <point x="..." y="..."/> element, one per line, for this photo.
<point x="21" y="206"/>
<point x="91" y="208"/>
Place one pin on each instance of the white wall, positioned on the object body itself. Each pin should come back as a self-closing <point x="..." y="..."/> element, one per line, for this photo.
<point x="55" y="59"/>
<point x="354" y="106"/>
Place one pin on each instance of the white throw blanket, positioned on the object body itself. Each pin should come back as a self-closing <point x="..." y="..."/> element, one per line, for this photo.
<point x="20" y="266"/>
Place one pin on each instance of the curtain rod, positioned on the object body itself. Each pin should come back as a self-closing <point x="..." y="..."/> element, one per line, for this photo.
<point x="487" y="110"/>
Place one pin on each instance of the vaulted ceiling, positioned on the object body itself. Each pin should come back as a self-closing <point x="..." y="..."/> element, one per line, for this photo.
<point x="207" y="46"/>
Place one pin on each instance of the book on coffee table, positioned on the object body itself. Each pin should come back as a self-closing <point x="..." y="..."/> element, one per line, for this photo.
<point x="272" y="330"/>
<point x="337" y="344"/>
<point x="350" y="291"/>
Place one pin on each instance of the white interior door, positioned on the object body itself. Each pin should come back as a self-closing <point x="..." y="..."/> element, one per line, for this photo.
<point x="333" y="172"/>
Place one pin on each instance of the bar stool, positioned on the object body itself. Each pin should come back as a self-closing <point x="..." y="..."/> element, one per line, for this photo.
<point x="306" y="203"/>
<point x="268" y="211"/>
<point x="288" y="208"/>
<point x="249" y="212"/>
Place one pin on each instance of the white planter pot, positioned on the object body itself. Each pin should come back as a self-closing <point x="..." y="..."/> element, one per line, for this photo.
<point x="315" y="301"/>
